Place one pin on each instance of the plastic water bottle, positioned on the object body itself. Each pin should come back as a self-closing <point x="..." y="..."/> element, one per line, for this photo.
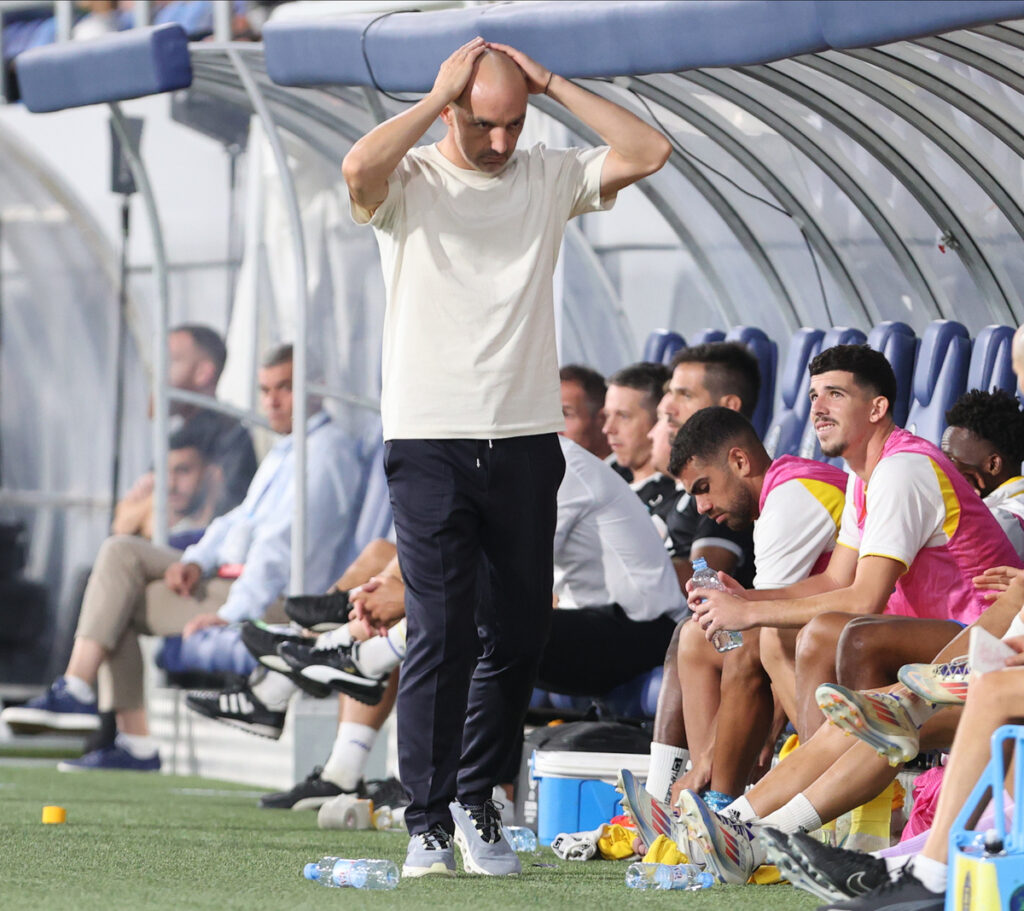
<point x="359" y="874"/>
<point x="520" y="838"/>
<point x="724" y="640"/>
<point x="668" y="876"/>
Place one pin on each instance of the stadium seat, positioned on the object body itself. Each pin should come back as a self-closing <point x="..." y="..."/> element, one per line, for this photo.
<point x="704" y="336"/>
<point x="661" y="344"/>
<point x="837" y="335"/>
<point x="790" y="420"/>
<point x="898" y="343"/>
<point x="145" y="61"/>
<point x="940" y="377"/>
<point x="991" y="360"/>
<point x="767" y="354"/>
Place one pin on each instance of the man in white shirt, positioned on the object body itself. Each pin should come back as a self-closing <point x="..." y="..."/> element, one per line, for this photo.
<point x="239" y="569"/>
<point x="469" y="231"/>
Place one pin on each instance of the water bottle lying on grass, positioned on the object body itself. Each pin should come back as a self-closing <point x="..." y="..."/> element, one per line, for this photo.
<point x="337" y="872"/>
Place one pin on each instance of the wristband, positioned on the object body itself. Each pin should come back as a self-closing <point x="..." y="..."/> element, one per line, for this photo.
<point x="547" y="84"/>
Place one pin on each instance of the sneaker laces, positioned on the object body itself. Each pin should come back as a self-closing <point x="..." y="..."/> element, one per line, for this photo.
<point x="954" y="668"/>
<point x="487" y="820"/>
<point x="436" y="838"/>
<point x="315" y="775"/>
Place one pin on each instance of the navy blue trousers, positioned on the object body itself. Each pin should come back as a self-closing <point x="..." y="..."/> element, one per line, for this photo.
<point x="475" y="525"/>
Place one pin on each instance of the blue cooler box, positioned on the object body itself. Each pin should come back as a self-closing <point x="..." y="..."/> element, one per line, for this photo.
<point x="576" y="791"/>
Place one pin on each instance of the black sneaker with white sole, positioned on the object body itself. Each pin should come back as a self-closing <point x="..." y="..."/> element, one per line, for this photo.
<point x="310" y="794"/>
<point x="318" y="613"/>
<point x="262" y="640"/>
<point x="239" y="707"/>
<point x="825" y="871"/>
<point x="334" y="667"/>
<point x="905" y="893"/>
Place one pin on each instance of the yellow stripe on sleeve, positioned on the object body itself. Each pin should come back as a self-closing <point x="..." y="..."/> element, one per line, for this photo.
<point x="829" y="496"/>
<point x="949" y="501"/>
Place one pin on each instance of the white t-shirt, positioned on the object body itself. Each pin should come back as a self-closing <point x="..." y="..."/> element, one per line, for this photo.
<point x="794" y="529"/>
<point x="468" y="260"/>
<point x="906" y="510"/>
<point x="1007" y="505"/>
<point x="607" y="550"/>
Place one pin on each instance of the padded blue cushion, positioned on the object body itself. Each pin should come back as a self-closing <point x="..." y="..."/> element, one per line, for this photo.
<point x="704" y="336"/>
<point x="581" y="39"/>
<point x="898" y="343"/>
<point x="767" y="354"/>
<point x="940" y="377"/>
<point x="661" y="344"/>
<point x="784" y="436"/>
<point x="991" y="361"/>
<point x="112" y="68"/>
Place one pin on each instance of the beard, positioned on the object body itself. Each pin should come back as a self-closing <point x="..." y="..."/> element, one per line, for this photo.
<point x="741" y="511"/>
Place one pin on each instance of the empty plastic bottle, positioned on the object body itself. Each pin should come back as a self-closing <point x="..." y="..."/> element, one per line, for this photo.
<point x="668" y="876"/>
<point x="724" y="640"/>
<point x="520" y="838"/>
<point x="359" y="874"/>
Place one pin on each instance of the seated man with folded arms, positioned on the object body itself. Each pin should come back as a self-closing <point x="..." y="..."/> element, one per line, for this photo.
<point x="137" y="587"/>
<point x="794" y="505"/>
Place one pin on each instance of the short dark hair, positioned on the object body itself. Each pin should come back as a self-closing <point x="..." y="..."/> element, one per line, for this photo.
<point x="209" y="342"/>
<point x="992" y="416"/>
<point x="589" y="380"/>
<point x="729" y="369"/>
<point x="279" y="354"/>
<point x="647" y="377"/>
<point x="871" y="370"/>
<point x="191" y="436"/>
<point x="707" y="433"/>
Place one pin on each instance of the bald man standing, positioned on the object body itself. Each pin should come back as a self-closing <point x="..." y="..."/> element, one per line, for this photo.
<point x="469" y="231"/>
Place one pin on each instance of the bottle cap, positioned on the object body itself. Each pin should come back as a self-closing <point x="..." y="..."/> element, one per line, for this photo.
<point x="310" y="871"/>
<point x="54" y="815"/>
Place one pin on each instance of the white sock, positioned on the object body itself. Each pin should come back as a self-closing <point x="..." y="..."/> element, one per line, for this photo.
<point x="1016" y="627"/>
<point x="348" y="756"/>
<point x="335" y="638"/>
<point x="895" y="864"/>
<point x="382" y="654"/>
<point x="741" y="810"/>
<point x="78" y="688"/>
<point x="931" y="873"/>
<point x="274" y="690"/>
<point x="799" y="814"/>
<point x="141" y="746"/>
<point x="667" y="762"/>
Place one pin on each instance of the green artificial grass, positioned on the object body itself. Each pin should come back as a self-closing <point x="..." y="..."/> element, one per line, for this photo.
<point x="156" y="841"/>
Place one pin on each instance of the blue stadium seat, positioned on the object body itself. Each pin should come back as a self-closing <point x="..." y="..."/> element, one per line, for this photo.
<point x="767" y="354"/>
<point x="940" y="377"/>
<point x="837" y="335"/>
<point x="991" y="360"/>
<point x="661" y="344"/>
<point x="145" y="61"/>
<point x="703" y="336"/>
<point x="790" y="420"/>
<point x="898" y="343"/>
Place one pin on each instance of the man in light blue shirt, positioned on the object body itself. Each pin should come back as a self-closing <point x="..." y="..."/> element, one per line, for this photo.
<point x="238" y="570"/>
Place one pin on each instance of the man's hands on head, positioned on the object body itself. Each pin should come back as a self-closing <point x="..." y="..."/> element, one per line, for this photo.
<point x="453" y="76"/>
<point x="182" y="578"/>
<point x="537" y="76"/>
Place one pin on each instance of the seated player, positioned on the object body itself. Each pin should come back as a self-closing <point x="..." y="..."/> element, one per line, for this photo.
<point x="794" y="505"/>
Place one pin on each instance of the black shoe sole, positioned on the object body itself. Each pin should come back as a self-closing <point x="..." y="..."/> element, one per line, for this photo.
<point x="258" y="730"/>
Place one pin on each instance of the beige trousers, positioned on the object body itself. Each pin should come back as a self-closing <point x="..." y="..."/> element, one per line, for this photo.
<point x="126" y="597"/>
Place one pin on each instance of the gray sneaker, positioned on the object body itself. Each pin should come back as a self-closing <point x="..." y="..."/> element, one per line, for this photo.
<point x="478" y="835"/>
<point x="430" y="853"/>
